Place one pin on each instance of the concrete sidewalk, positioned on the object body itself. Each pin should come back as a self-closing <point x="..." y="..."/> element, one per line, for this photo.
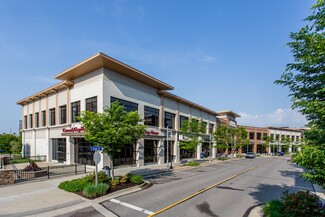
<point x="44" y="198"/>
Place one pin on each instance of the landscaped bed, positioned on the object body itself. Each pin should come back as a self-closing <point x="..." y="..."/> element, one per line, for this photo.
<point x="86" y="187"/>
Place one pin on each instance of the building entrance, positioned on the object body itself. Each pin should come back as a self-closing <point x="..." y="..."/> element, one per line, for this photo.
<point x="83" y="155"/>
<point x="150" y="151"/>
<point x="170" y="150"/>
<point x="127" y="156"/>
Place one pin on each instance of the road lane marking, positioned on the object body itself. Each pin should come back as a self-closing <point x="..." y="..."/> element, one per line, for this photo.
<point x="205" y="189"/>
<point x="132" y="206"/>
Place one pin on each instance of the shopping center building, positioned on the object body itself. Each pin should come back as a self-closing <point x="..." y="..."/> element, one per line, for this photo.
<point x="281" y="139"/>
<point x="50" y="127"/>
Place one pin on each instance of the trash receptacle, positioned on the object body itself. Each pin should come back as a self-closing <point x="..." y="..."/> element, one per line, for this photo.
<point x="107" y="170"/>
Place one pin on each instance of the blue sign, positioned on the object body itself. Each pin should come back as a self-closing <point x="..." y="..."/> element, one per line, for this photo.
<point x="96" y="148"/>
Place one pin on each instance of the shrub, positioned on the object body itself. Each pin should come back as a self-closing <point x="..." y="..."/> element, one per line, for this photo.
<point x="136" y="179"/>
<point x="193" y="164"/>
<point x="116" y="181"/>
<point x="124" y="179"/>
<point x="95" y="191"/>
<point x="102" y="178"/>
<point x="302" y="203"/>
<point x="273" y="209"/>
<point x="74" y="185"/>
<point x="222" y="158"/>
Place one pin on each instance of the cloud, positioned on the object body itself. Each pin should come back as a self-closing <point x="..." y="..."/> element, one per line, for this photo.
<point x="279" y="118"/>
<point x="209" y="59"/>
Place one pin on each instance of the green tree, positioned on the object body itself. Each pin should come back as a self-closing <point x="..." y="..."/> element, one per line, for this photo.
<point x="191" y="131"/>
<point x="7" y="140"/>
<point x="112" y="129"/>
<point x="305" y="78"/>
<point x="241" y="137"/>
<point x="224" y="136"/>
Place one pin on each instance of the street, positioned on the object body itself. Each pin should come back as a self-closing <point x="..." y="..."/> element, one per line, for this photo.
<point x="234" y="187"/>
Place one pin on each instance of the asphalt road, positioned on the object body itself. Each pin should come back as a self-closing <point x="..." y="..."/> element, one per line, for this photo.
<point x="262" y="179"/>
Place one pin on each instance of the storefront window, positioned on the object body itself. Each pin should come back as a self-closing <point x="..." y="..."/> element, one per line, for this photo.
<point x="59" y="149"/>
<point x="150" y="151"/>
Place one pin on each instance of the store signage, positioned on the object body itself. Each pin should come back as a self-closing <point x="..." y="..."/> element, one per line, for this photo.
<point x="75" y="128"/>
<point x="96" y="148"/>
<point x="151" y="132"/>
<point x="232" y="123"/>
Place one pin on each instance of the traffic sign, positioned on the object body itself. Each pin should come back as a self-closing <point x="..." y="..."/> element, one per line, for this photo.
<point x="96" y="157"/>
<point x="96" y="148"/>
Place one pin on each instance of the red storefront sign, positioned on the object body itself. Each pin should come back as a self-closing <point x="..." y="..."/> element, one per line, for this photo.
<point x="151" y="132"/>
<point x="74" y="130"/>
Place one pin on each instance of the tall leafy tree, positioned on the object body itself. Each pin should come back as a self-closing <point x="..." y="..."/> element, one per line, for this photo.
<point x="241" y="139"/>
<point x="113" y="128"/>
<point x="224" y="136"/>
<point x="305" y="78"/>
<point x="191" y="131"/>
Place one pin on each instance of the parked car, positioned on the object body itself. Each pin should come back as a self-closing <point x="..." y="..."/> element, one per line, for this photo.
<point x="250" y="155"/>
<point x="2" y="151"/>
<point x="280" y="153"/>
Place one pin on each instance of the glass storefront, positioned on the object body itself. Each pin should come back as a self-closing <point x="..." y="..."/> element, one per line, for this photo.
<point x="150" y="151"/>
<point x="83" y="155"/>
<point x="126" y="157"/>
<point x="170" y="150"/>
<point x="59" y="148"/>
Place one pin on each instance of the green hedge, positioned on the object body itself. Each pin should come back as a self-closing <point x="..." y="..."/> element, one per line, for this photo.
<point x="95" y="191"/>
<point x="193" y="164"/>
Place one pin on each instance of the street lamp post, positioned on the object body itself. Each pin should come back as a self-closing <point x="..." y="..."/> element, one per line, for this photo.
<point x="167" y="135"/>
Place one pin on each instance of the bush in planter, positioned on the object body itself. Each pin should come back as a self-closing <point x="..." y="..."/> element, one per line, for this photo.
<point x="274" y="208"/>
<point x="193" y="164"/>
<point x="116" y="181"/>
<point x="74" y="185"/>
<point x="95" y="191"/>
<point x="136" y="179"/>
<point x="302" y="203"/>
<point x="102" y="178"/>
<point x="124" y="179"/>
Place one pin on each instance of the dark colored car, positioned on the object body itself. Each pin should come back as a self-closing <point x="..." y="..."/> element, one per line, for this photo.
<point x="250" y="155"/>
<point x="2" y="151"/>
<point x="280" y="153"/>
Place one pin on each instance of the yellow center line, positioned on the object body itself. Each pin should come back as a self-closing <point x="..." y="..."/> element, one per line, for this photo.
<point x="205" y="189"/>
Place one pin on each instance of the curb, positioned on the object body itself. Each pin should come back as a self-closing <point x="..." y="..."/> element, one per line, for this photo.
<point x="95" y="202"/>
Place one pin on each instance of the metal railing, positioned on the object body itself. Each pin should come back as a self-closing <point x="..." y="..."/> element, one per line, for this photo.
<point x="43" y="173"/>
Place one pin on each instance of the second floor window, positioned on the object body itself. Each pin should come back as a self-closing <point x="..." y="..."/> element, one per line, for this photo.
<point x="43" y="118"/>
<point x="129" y="106"/>
<point x="211" y="126"/>
<point x="36" y="119"/>
<point x="251" y="135"/>
<point x="25" y="122"/>
<point x="272" y="136"/>
<point x="204" y="127"/>
<point x="151" y="116"/>
<point x="31" y="121"/>
<point x="259" y="136"/>
<point x="91" y="104"/>
<point x="169" y="120"/>
<point x="75" y="110"/>
<point x="63" y="114"/>
<point x="52" y="116"/>
<point x="277" y="137"/>
<point x="181" y="120"/>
